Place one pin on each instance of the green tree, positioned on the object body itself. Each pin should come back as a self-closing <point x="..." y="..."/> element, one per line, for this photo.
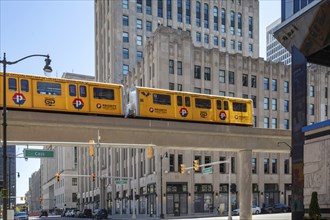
<point x="314" y="208"/>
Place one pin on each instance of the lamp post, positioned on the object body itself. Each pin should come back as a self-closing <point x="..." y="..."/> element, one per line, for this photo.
<point x="161" y="184"/>
<point x="4" y="61"/>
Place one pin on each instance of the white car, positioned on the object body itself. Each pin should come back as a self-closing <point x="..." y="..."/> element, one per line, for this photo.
<point x="255" y="210"/>
<point x="21" y="216"/>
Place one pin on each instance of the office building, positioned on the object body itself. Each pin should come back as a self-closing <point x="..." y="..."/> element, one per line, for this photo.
<point x="290" y="7"/>
<point x="34" y="196"/>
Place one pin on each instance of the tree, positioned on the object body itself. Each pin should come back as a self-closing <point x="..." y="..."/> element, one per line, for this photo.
<point x="314" y="208"/>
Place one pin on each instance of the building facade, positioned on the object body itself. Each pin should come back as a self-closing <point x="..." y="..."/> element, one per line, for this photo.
<point x="290" y="7"/>
<point x="123" y="27"/>
<point x="35" y="198"/>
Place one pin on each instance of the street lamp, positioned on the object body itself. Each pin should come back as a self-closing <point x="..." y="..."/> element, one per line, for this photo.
<point x="161" y="184"/>
<point x="47" y="69"/>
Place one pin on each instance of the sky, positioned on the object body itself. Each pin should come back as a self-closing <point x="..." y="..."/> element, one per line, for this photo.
<point x="64" y="29"/>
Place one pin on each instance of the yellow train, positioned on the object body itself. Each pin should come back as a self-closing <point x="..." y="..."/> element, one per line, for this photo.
<point x="63" y="95"/>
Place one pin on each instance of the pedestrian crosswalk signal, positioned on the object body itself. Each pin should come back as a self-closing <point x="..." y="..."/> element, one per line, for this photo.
<point x="93" y="177"/>
<point x="182" y="168"/>
<point x="150" y="152"/>
<point x="57" y="177"/>
<point x="91" y="148"/>
<point x="196" y="165"/>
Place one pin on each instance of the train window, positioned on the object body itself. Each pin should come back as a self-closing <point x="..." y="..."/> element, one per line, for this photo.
<point x="24" y="85"/>
<point x="179" y="100"/>
<point x="239" y="107"/>
<point x="12" y="85"/>
<point x="100" y="93"/>
<point x="225" y="103"/>
<point x="49" y="88"/>
<point x="162" y="99"/>
<point x="218" y="104"/>
<point x="72" y="90"/>
<point x="187" y="101"/>
<point x="203" y="103"/>
<point x="82" y="90"/>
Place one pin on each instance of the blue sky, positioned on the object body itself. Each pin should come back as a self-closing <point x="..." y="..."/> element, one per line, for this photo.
<point x="64" y="29"/>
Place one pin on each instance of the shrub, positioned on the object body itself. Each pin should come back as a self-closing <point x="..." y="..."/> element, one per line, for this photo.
<point x="314" y="208"/>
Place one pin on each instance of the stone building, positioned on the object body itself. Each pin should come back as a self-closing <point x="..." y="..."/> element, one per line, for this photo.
<point x="35" y="198"/>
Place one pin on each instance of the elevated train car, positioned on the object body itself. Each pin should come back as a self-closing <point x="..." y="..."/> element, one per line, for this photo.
<point x="64" y="95"/>
<point x="185" y="106"/>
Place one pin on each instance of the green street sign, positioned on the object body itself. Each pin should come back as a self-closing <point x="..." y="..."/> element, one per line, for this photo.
<point x="120" y="181"/>
<point x="207" y="170"/>
<point x="36" y="153"/>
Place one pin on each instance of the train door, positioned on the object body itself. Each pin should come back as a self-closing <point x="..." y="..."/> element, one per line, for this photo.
<point x="77" y="97"/>
<point x="18" y="92"/>
<point x="222" y="114"/>
<point x="183" y="107"/>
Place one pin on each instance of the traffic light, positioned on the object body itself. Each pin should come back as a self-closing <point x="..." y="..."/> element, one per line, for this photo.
<point x="57" y="177"/>
<point x="93" y="177"/>
<point x="22" y="198"/>
<point x="150" y="152"/>
<point x="196" y="165"/>
<point x="233" y="188"/>
<point x="91" y="148"/>
<point x="182" y="168"/>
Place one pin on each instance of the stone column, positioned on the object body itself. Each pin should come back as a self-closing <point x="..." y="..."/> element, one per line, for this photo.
<point x="245" y="184"/>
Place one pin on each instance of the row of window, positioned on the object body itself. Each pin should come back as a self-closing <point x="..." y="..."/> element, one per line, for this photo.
<point x="207" y="15"/>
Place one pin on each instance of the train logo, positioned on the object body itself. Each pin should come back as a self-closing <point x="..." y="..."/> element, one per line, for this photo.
<point x="19" y="98"/>
<point x="222" y="115"/>
<point x="151" y="109"/>
<point x="78" y="103"/>
<point x="184" y="112"/>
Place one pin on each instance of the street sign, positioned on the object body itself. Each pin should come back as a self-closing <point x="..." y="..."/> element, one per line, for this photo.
<point x="36" y="153"/>
<point x="207" y="170"/>
<point x="120" y="181"/>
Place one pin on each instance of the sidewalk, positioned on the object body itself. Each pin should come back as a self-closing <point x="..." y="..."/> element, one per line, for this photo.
<point x="147" y="217"/>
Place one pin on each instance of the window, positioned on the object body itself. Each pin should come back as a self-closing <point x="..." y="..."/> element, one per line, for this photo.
<point x="179" y="87"/>
<point x="274" y="166"/>
<point x="197" y="72"/>
<point x="171" y="86"/>
<point x="188" y="11"/>
<point x="233" y="167"/>
<point x="286" y="106"/>
<point x="125" y="53"/>
<point x="266" y="122"/>
<point x="266" y="83"/>
<point x="222" y="93"/>
<point x="206" y="38"/>
<point x="223" y="42"/>
<point x="125" y="20"/>
<point x="12" y="84"/>
<point x="24" y="85"/>
<point x="203" y="103"/>
<point x="207" y="73"/>
<point x="161" y="99"/>
<point x="125" y="37"/>
<point x="216" y="41"/>
<point x="311" y="109"/>
<point x="215" y="19"/>
<point x="286" y="123"/>
<point x="125" y="4"/>
<point x="239" y="24"/>
<point x="239" y="107"/>
<point x="274" y="123"/>
<point x="286" y="87"/>
<point x="149" y="7"/>
<point x="232" y="44"/>
<point x="286" y="166"/>
<point x="239" y="46"/>
<point x="222" y="76"/>
<point x="47" y="88"/>
<point x="274" y="85"/>
<point x="139" y="40"/>
<point x="311" y="91"/>
<point x="207" y="159"/>
<point x="160" y="8"/>
<point x="72" y="90"/>
<point x="231" y="77"/>
<point x="101" y="93"/>
<point x="198" y="14"/>
<point x="83" y="91"/>
<point x="223" y="20"/>
<point x="180" y="161"/>
<point x="206" y="16"/>
<point x="139" y="55"/>
<point x="274" y="104"/>
<point x="171" y="162"/>
<point x="171" y="67"/>
<point x="266" y="103"/>
<point x="139" y="24"/>
<point x="179" y="4"/>
<point x="232" y="22"/>
<point x="250" y="48"/>
<point x="74" y="197"/>
<point x="179" y="68"/>
<point x="253" y="81"/>
<point x="139" y="6"/>
<point x="266" y="165"/>
<point x="74" y="182"/>
<point x="149" y="26"/>
<point x="197" y="90"/>
<point x="231" y="94"/>
<point x="254" y="165"/>
<point x="125" y="69"/>
<point x="207" y="91"/>
<point x="198" y="37"/>
<point x="222" y="165"/>
<point x="169" y="9"/>
<point x="245" y="80"/>
<point x="250" y="27"/>
<point x="254" y="101"/>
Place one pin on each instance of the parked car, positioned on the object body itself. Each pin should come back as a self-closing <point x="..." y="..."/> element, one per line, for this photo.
<point x="87" y="213"/>
<point x="277" y="208"/>
<point x="255" y="210"/>
<point x="21" y="216"/>
<point x="43" y="213"/>
<point x="101" y="214"/>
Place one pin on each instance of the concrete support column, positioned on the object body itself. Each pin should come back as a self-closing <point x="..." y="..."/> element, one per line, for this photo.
<point x="245" y="184"/>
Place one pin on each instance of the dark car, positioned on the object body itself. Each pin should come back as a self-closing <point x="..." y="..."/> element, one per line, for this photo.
<point x="277" y="208"/>
<point x="44" y="213"/>
<point x="101" y="214"/>
<point x="87" y="213"/>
